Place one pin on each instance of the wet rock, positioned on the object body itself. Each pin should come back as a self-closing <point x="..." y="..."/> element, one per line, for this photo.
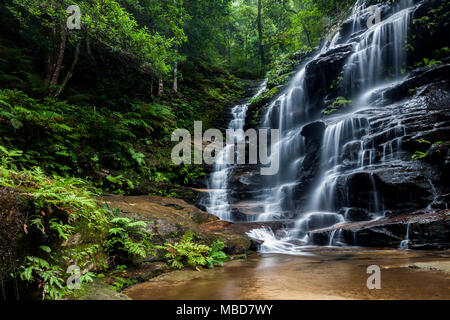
<point x="426" y="231"/>
<point x="321" y="73"/>
<point x="191" y="195"/>
<point x="313" y="132"/>
<point x="356" y="214"/>
<point x="307" y="172"/>
<point x="418" y="78"/>
<point x="432" y="265"/>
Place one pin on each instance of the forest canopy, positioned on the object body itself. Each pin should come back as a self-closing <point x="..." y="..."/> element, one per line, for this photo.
<point x="99" y="101"/>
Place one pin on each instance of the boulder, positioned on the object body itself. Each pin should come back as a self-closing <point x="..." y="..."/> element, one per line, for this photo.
<point x="170" y="218"/>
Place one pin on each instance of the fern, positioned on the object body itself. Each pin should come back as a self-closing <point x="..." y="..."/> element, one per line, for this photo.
<point x="188" y="253"/>
<point x="128" y="240"/>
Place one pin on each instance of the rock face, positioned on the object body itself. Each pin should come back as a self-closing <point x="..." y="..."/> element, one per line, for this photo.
<point x="13" y="246"/>
<point x="321" y="73"/>
<point x="418" y="231"/>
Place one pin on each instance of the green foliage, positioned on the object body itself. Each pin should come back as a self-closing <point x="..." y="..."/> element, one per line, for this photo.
<point x="48" y="277"/>
<point x="189" y="253"/>
<point x="216" y="255"/>
<point x="109" y="23"/>
<point x="191" y="173"/>
<point x="423" y="141"/>
<point x="442" y="52"/>
<point x="338" y="81"/>
<point x="338" y="104"/>
<point x="427" y="62"/>
<point x="62" y="208"/>
<point x="329" y="111"/>
<point x="264" y="97"/>
<point x="127" y="240"/>
<point x="419" y="155"/>
<point x="59" y="201"/>
<point x="120" y="283"/>
<point x="430" y="21"/>
<point x="342" y="102"/>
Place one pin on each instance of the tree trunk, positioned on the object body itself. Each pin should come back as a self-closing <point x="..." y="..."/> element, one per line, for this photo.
<point x="51" y="57"/>
<point x="260" y="34"/>
<point x="151" y="88"/>
<point x="160" y="86"/>
<point x="175" y="78"/>
<point x="308" y="35"/>
<point x="59" y="60"/>
<point x="70" y="72"/>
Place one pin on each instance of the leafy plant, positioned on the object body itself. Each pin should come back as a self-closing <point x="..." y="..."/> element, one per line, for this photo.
<point x="427" y="62"/>
<point x="48" y="277"/>
<point x="341" y="101"/>
<point x="127" y="240"/>
<point x="188" y="253"/>
<point x="338" y="81"/>
<point x="121" y="283"/>
<point x="216" y="254"/>
<point x="329" y="111"/>
<point x="419" y="155"/>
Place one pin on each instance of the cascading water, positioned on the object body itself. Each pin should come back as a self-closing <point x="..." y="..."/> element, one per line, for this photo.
<point x="349" y="148"/>
<point x="404" y="245"/>
<point x="218" y="203"/>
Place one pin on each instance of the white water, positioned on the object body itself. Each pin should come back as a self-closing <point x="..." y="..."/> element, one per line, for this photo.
<point x="404" y="245"/>
<point x="273" y="244"/>
<point x="218" y="203"/>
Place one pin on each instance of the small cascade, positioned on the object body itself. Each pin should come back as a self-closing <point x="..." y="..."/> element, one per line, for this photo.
<point x="379" y="53"/>
<point x="270" y="243"/>
<point x="404" y="245"/>
<point x="218" y="203"/>
<point x="436" y="201"/>
<point x="315" y="220"/>
<point x="284" y="114"/>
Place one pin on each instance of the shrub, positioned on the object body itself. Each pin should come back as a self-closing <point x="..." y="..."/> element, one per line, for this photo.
<point x="127" y="240"/>
<point x="188" y="253"/>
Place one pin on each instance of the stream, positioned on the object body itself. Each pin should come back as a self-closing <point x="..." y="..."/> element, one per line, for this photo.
<point x="322" y="274"/>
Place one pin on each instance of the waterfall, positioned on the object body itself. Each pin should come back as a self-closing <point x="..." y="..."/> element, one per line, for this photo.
<point x="404" y="245"/>
<point x="380" y="47"/>
<point x="218" y="203"/>
<point x="350" y="147"/>
<point x="285" y="115"/>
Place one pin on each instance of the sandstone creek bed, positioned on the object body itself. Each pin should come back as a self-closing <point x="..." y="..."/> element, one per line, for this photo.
<point x="322" y="273"/>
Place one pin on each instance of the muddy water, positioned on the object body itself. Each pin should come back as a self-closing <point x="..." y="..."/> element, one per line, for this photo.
<point x="324" y="274"/>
